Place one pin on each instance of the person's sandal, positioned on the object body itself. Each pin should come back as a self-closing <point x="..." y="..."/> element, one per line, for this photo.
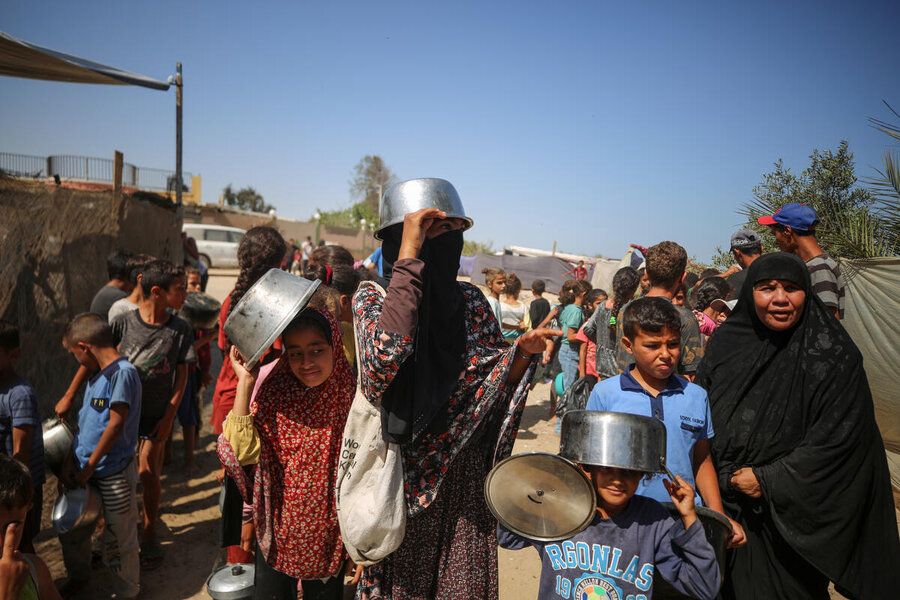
<point x="151" y="555"/>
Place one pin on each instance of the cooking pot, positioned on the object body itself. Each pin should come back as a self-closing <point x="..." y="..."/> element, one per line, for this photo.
<point x="76" y="508"/>
<point x="612" y="439"/>
<point x="414" y="194"/>
<point x="231" y="582"/>
<point x="717" y="529"/>
<point x="200" y="310"/>
<point x="265" y="310"/>
<point x="58" y="439"/>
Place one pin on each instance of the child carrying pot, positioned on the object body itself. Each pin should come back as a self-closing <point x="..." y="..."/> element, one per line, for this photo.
<point x="286" y="425"/>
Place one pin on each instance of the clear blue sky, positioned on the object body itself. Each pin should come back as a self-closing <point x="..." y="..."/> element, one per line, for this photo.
<point x="594" y="123"/>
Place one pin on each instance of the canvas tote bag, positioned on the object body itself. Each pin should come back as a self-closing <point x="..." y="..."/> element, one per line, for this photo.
<point x="371" y="503"/>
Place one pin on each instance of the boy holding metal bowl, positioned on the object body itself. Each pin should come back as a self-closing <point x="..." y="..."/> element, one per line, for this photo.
<point x="629" y="537"/>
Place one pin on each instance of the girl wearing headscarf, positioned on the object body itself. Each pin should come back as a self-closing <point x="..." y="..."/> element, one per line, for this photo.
<point x="452" y="392"/>
<point x="289" y="436"/>
<point x="800" y="460"/>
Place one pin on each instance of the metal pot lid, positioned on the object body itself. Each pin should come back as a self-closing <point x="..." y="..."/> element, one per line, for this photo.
<point x="231" y="582"/>
<point x="540" y="496"/>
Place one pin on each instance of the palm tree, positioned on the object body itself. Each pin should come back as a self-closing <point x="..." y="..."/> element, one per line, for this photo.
<point x="885" y="187"/>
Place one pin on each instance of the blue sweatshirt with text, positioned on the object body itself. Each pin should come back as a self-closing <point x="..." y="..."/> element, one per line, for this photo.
<point x="615" y="559"/>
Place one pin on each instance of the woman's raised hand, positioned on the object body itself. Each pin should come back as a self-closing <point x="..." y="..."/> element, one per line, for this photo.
<point x="534" y="342"/>
<point x="415" y="225"/>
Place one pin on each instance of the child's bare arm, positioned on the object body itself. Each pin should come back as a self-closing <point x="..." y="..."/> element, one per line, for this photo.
<point x="22" y="437"/>
<point x="64" y="405"/>
<point x="118" y="412"/>
<point x="46" y="589"/>
<point x="582" y="360"/>
<point x="246" y="382"/>
<point x="708" y="486"/>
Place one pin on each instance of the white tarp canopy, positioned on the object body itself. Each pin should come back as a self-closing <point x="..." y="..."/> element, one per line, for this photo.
<point x="872" y="317"/>
<point x="19" y="58"/>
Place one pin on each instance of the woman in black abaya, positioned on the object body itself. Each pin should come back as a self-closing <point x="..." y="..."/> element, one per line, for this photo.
<point x="800" y="459"/>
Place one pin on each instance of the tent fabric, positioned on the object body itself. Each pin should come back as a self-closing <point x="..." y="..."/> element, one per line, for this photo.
<point x="872" y="317"/>
<point x="528" y="268"/>
<point x="19" y="58"/>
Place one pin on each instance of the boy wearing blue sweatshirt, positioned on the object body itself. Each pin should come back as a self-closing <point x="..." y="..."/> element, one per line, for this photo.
<point x="629" y="539"/>
<point x="649" y="387"/>
<point x="104" y="455"/>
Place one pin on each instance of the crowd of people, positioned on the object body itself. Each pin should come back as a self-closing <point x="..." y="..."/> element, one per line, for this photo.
<point x="762" y="392"/>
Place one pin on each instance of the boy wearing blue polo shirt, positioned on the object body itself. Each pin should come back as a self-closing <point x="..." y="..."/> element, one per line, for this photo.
<point x="104" y="453"/>
<point x="649" y="387"/>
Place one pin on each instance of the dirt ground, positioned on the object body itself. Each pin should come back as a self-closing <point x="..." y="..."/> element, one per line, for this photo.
<point x="189" y="512"/>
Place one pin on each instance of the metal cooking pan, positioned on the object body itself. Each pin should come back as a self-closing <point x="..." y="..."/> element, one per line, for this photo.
<point x="612" y="439"/>
<point x="415" y="194"/>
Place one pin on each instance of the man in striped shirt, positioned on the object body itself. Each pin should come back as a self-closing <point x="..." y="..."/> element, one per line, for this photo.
<point x="794" y="226"/>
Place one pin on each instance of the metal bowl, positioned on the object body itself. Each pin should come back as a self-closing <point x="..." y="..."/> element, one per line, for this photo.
<point x="76" y="508"/>
<point x="540" y="496"/>
<point x="717" y="529"/>
<point x="58" y="438"/>
<point x="414" y="194"/>
<point x="231" y="582"/>
<point x="612" y="439"/>
<point x="200" y="310"/>
<point x="265" y="310"/>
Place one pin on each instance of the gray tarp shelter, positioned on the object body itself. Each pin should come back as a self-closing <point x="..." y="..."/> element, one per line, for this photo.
<point x="19" y="58"/>
<point x="528" y="268"/>
<point x="872" y="317"/>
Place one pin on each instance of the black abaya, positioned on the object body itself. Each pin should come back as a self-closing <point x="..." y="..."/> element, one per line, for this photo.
<point x="796" y="407"/>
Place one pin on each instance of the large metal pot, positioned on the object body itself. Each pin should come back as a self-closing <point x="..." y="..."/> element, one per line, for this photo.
<point x="200" y="310"/>
<point x="231" y="582"/>
<point x="58" y="439"/>
<point x="717" y="529"/>
<point x="76" y="508"/>
<point x="612" y="439"/>
<point x="414" y="194"/>
<point x="265" y="310"/>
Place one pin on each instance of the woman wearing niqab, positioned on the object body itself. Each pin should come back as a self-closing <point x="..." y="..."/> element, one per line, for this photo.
<point x="452" y="391"/>
<point x="800" y="460"/>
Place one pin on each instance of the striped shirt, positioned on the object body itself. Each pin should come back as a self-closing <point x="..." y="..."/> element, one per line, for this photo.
<point x="827" y="282"/>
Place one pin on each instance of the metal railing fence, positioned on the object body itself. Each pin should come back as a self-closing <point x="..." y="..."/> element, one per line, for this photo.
<point x="88" y="168"/>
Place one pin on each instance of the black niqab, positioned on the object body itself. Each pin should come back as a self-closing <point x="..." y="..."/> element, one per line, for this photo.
<point x="416" y="399"/>
<point x="795" y="406"/>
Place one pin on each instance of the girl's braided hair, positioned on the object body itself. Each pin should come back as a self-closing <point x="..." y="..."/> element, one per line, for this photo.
<point x="625" y="283"/>
<point x="261" y="249"/>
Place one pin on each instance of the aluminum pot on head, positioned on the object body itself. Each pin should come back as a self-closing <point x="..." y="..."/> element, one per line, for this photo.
<point x="415" y="194"/>
<point x="612" y="439"/>
<point x="265" y="310"/>
<point x="58" y="438"/>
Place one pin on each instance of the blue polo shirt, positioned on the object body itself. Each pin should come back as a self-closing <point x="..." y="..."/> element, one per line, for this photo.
<point x="117" y="383"/>
<point x="684" y="409"/>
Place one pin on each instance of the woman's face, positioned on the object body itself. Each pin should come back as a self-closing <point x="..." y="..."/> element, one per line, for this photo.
<point x="779" y="303"/>
<point x="441" y="226"/>
<point x="309" y="354"/>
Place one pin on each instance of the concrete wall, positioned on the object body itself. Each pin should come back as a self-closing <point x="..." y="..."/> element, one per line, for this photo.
<point x="53" y="247"/>
<point x="358" y="243"/>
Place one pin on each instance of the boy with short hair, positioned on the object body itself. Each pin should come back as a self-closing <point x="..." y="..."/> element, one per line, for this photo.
<point x="21" y="436"/>
<point x="21" y="575"/>
<point x="629" y="539"/>
<point x="160" y="345"/>
<point x="665" y="270"/>
<point x="130" y="302"/>
<point x="118" y="285"/>
<point x="539" y="307"/>
<point x="104" y="452"/>
<point x="652" y="336"/>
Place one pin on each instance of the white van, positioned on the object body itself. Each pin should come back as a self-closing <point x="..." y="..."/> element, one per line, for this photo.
<point x="217" y="244"/>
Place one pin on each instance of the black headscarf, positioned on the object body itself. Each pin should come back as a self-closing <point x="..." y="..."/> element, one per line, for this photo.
<point x="416" y="399"/>
<point x="795" y="406"/>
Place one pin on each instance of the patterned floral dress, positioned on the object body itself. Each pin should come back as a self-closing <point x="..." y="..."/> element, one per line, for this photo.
<point x="450" y="548"/>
